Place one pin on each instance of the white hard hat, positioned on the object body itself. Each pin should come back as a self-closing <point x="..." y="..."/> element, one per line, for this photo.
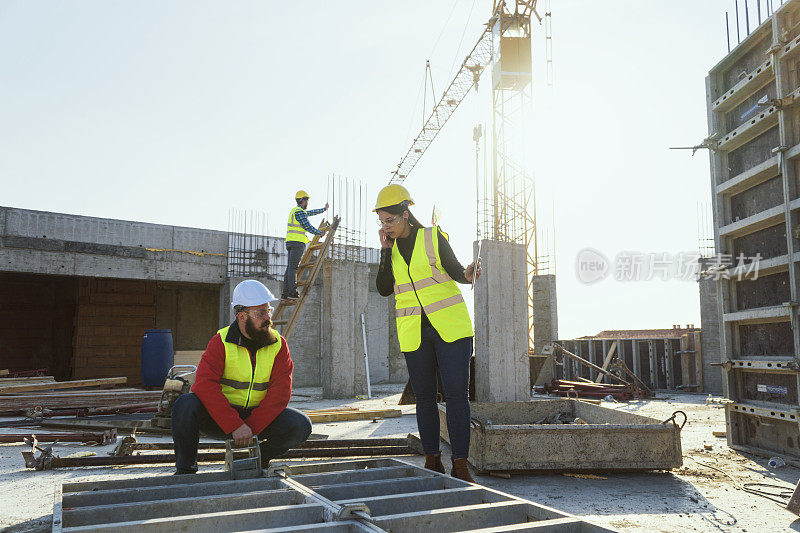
<point x="251" y="293"/>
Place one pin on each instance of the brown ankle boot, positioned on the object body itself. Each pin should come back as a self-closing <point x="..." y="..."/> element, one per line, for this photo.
<point x="461" y="470"/>
<point x="434" y="462"/>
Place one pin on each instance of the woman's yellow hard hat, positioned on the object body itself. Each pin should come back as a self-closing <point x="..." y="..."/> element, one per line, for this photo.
<point x="392" y="195"/>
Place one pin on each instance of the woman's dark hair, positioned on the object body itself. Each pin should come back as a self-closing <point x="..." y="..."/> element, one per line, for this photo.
<point x="398" y="209"/>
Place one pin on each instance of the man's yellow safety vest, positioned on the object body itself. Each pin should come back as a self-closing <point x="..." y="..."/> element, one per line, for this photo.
<point x="294" y="230"/>
<point x="425" y="286"/>
<point x="243" y="386"/>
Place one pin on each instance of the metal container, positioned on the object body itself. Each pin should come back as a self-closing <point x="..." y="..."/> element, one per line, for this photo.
<point x="506" y="437"/>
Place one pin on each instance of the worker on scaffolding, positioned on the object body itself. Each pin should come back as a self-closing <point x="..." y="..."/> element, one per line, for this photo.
<point x="433" y="324"/>
<point x="296" y="240"/>
<point x="242" y="388"/>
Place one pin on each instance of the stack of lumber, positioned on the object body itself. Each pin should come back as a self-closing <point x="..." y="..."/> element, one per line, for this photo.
<point x="22" y="395"/>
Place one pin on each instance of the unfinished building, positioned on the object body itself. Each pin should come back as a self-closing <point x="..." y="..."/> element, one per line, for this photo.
<point x="754" y="141"/>
<point x="79" y="293"/>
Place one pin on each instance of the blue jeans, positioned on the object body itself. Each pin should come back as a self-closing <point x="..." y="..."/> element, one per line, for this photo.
<point x="190" y="418"/>
<point x="453" y="359"/>
<point x="295" y="251"/>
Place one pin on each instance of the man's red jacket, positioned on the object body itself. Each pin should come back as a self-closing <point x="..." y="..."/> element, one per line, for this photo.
<point x="207" y="388"/>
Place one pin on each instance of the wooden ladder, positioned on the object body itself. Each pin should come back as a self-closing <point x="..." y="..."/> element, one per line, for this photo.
<point x="310" y="265"/>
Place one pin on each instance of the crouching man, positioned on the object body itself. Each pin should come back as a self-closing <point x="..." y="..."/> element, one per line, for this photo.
<point x="242" y="388"/>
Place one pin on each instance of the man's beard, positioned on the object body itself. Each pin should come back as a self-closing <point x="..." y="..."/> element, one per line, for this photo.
<point x="264" y="335"/>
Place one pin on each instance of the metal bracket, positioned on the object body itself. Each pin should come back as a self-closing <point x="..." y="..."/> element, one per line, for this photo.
<point x="352" y="510"/>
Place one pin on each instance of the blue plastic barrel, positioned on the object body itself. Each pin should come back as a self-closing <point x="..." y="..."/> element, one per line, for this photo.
<point x="157" y="356"/>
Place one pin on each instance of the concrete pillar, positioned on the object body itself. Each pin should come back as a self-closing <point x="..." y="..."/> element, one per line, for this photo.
<point x="637" y="362"/>
<point x="545" y="321"/>
<point x="502" y="367"/>
<point x="710" y="336"/>
<point x="591" y="358"/>
<point x="344" y="299"/>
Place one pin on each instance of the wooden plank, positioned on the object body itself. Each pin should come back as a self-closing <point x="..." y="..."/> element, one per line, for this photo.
<point x="607" y="361"/>
<point x="24" y="381"/>
<point x="353" y="415"/>
<point x="4" y="372"/>
<point x="63" y="385"/>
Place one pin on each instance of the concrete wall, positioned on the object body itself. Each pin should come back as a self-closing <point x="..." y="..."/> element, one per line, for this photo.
<point x="190" y="310"/>
<point x="502" y="367"/>
<point x="55" y="243"/>
<point x="545" y="321"/>
<point x="110" y="321"/>
<point x="345" y="298"/>
<point x="709" y="322"/>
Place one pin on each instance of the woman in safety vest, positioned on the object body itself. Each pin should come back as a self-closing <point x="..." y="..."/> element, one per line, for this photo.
<point x="433" y="324"/>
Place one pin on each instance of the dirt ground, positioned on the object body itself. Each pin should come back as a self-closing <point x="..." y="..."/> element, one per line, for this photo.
<point x="692" y="498"/>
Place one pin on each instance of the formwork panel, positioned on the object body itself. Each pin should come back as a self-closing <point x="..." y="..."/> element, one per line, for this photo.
<point x="751" y="153"/>
<point x="769" y="242"/>
<point x="756" y="199"/>
<point x="766" y="340"/>
<point x="505" y="433"/>
<point x="768" y="387"/>
<point x="763" y="292"/>
<point x="344" y="496"/>
<point x="764" y="435"/>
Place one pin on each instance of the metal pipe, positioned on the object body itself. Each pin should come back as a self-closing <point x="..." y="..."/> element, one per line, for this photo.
<point x="311" y="444"/>
<point x="366" y="355"/>
<point x="758" y="8"/>
<point x="218" y="457"/>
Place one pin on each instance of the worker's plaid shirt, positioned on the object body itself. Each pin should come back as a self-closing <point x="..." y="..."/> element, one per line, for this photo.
<point x="302" y="218"/>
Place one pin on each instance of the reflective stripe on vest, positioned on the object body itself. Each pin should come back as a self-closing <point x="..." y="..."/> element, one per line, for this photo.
<point x="425" y="286"/>
<point x="294" y="230"/>
<point x="241" y="384"/>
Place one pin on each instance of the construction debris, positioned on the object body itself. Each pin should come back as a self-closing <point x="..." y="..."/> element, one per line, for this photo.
<point x="579" y="389"/>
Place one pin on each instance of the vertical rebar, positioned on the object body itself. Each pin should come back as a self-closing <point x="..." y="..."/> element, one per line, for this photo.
<point x="727" y="32"/>
<point x="738" y="36"/>
<point x="747" y="17"/>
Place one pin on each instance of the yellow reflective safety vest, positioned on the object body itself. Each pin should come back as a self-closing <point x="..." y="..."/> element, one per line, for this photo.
<point x="423" y="285"/>
<point x="294" y="230"/>
<point x="242" y="385"/>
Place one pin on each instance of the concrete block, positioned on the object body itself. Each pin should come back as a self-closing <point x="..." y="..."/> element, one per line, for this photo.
<point x="502" y="368"/>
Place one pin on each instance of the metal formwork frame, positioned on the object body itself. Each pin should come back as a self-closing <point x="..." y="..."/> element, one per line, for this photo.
<point x="774" y="67"/>
<point x="362" y="495"/>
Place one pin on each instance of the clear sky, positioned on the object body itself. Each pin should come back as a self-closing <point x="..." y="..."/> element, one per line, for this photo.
<point x="173" y="112"/>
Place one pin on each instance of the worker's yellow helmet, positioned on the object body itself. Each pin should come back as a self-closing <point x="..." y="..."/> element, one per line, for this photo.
<point x="300" y="194"/>
<point x="392" y="195"/>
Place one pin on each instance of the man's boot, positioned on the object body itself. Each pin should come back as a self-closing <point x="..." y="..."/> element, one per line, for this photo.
<point x="461" y="470"/>
<point x="434" y="462"/>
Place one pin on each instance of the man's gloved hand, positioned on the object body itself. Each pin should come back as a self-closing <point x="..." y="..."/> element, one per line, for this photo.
<point x="242" y="436"/>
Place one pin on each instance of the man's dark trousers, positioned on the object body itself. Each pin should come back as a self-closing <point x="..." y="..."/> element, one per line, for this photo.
<point x="294" y="251"/>
<point x="190" y="418"/>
